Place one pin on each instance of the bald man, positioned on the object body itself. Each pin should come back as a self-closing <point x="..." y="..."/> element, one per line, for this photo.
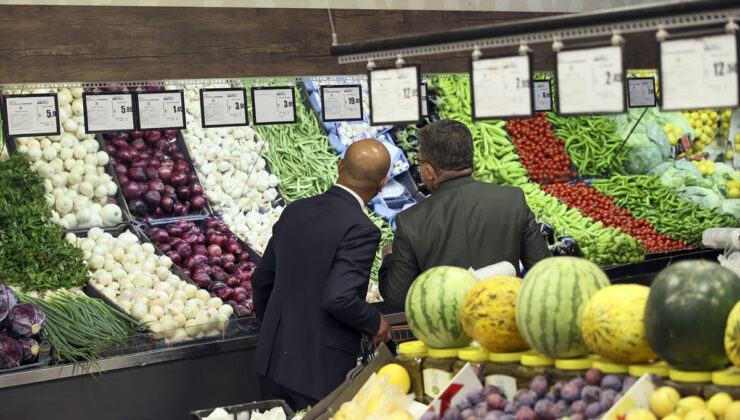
<point x="309" y="290"/>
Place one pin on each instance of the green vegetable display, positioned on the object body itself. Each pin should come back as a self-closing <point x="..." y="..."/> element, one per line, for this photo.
<point x="79" y="327"/>
<point x="33" y="254"/>
<point x="646" y="197"/>
<point x="592" y="144"/>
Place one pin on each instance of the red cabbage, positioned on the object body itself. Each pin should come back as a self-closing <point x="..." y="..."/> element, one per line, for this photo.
<point x="29" y="349"/>
<point x="10" y="353"/>
<point x="26" y="320"/>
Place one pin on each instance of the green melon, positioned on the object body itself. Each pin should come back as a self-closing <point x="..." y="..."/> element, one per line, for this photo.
<point x="550" y="304"/>
<point x="687" y="311"/>
<point x="434" y="304"/>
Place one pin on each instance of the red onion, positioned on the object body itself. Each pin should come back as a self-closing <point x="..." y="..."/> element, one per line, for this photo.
<point x="190" y="238"/>
<point x="214" y="249"/>
<point x="231" y="281"/>
<point x="139" y="144"/>
<point x="156" y="185"/>
<point x="110" y="136"/>
<point x="152" y="198"/>
<point x="197" y="202"/>
<point x="239" y="289"/>
<point x="124" y="155"/>
<point x="138" y="163"/>
<point x="247" y="285"/>
<point x="137" y="134"/>
<point x="229" y="267"/>
<point x="152" y="136"/>
<point x="250" y="305"/>
<point x="137" y="174"/>
<point x="200" y="249"/>
<point x="165" y="173"/>
<point x="225" y="293"/>
<point x="158" y="235"/>
<point x="119" y="143"/>
<point x="233" y="247"/>
<point x="239" y="297"/>
<point x="211" y="222"/>
<point x="165" y="247"/>
<point x="242" y="311"/>
<point x="169" y="190"/>
<point x="131" y="190"/>
<point x="196" y="189"/>
<point x="173" y="230"/>
<point x="244" y="276"/>
<point x="222" y="228"/>
<point x="192" y="178"/>
<point x="176" y="155"/>
<point x="181" y="209"/>
<point x="170" y="134"/>
<point x="153" y="163"/>
<point x="123" y="179"/>
<point x="204" y="269"/>
<point x="242" y="267"/>
<point x="162" y="145"/>
<point x="252" y="265"/>
<point x="203" y="280"/>
<point x="217" y="285"/>
<point x="158" y="213"/>
<point x="111" y="149"/>
<point x="137" y="207"/>
<point x="120" y="169"/>
<point x="158" y="155"/>
<point x="227" y="257"/>
<point x="215" y="260"/>
<point x="183" y="249"/>
<point x="182" y="166"/>
<point x="244" y="257"/>
<point x="183" y="193"/>
<point x="151" y="173"/>
<point x="218" y="274"/>
<point x="168" y="163"/>
<point x="179" y="179"/>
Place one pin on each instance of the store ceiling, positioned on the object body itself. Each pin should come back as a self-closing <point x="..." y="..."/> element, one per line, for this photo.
<point x="562" y="6"/>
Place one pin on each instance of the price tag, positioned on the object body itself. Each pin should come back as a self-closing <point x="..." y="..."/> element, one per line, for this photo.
<point x="105" y="112"/>
<point x="223" y="107"/>
<point x="162" y="110"/>
<point x="542" y="95"/>
<point x="341" y="103"/>
<point x="500" y="87"/>
<point x="641" y="92"/>
<point x="424" y="103"/>
<point x="590" y="81"/>
<point x="31" y="115"/>
<point x="394" y="95"/>
<point x="273" y="105"/>
<point x="699" y="73"/>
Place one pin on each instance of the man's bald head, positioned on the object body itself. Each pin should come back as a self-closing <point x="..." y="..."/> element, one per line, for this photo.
<point x="365" y="166"/>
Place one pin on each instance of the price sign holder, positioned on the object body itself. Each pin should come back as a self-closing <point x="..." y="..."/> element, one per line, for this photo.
<point x="227" y="107"/>
<point x="111" y="112"/>
<point x="583" y="91"/>
<point x="424" y="100"/>
<point x="513" y="74"/>
<point x="641" y="92"/>
<point x="166" y="110"/>
<point x="344" y="103"/>
<point x="396" y="94"/>
<point x="277" y="106"/>
<point x="39" y="118"/>
<point x="542" y="94"/>
<point x="711" y="72"/>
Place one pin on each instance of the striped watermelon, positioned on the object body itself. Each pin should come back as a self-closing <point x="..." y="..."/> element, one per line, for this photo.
<point x="551" y="301"/>
<point x="434" y="304"/>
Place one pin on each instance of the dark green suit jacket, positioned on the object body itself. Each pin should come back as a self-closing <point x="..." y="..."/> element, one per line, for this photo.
<point x="465" y="223"/>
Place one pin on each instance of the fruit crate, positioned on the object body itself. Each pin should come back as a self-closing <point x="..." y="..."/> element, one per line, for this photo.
<point x="245" y="411"/>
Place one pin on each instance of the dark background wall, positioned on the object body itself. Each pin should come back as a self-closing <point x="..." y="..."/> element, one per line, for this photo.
<point x="74" y="43"/>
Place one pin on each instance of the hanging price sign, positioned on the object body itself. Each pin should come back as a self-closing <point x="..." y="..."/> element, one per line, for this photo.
<point x="223" y="107"/>
<point x="162" y="110"/>
<point x="500" y="87"/>
<point x="590" y="81"/>
<point x="394" y="95"/>
<point x="424" y="103"/>
<point x="641" y="92"/>
<point x="699" y="73"/>
<point x="105" y="112"/>
<point x="542" y="96"/>
<point x="31" y="115"/>
<point x="341" y="103"/>
<point x="274" y="105"/>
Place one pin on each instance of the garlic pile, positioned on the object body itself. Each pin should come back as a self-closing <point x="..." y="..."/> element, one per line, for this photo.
<point x="133" y="276"/>
<point x="73" y="168"/>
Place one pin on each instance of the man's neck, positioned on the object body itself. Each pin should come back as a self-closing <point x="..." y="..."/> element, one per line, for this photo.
<point x="448" y="175"/>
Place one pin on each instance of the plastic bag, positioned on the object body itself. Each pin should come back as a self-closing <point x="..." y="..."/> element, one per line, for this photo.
<point x="661" y="168"/>
<point x="657" y="135"/>
<point x="641" y="159"/>
<point x="703" y="196"/>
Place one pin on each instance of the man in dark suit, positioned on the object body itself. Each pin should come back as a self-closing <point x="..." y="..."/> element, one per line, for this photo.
<point x="309" y="291"/>
<point x="464" y="223"/>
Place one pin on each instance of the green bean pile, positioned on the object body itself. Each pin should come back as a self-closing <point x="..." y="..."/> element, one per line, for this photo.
<point x="592" y="144"/>
<point x="79" y="328"/>
<point x="646" y="197"/>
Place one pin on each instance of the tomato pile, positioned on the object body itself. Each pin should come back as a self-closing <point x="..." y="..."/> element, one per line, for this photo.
<point x="590" y="202"/>
<point x="539" y="150"/>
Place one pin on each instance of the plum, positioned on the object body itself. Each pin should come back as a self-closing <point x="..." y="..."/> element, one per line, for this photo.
<point x="628" y="382"/>
<point x="541" y="408"/>
<point x="577" y="416"/>
<point x="608" y="398"/>
<point x="539" y="386"/>
<point x="591" y="394"/>
<point x="611" y="382"/>
<point x="525" y="413"/>
<point x="557" y="411"/>
<point x="558" y="387"/>
<point x="475" y="397"/>
<point x="507" y="417"/>
<point x="570" y="392"/>
<point x="430" y="416"/>
<point x="550" y="396"/>
<point x="580" y="382"/>
<point x="578" y="406"/>
<point x="592" y="411"/>
<point x="452" y="413"/>
<point x="495" y="402"/>
<point x="510" y="408"/>
<point x="490" y="389"/>
<point x="525" y="398"/>
<point x="594" y="376"/>
<point x="468" y="412"/>
<point x="492" y="416"/>
<point x="657" y="380"/>
<point x="481" y="409"/>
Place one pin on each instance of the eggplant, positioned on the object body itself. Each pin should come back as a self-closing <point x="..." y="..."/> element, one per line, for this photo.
<point x="26" y="320"/>
<point x="571" y="245"/>
<point x="560" y="250"/>
<point x="10" y="353"/>
<point x="29" y="350"/>
<point x="547" y="232"/>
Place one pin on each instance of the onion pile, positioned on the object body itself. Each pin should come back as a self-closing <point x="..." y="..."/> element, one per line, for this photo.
<point x="78" y="189"/>
<point x="155" y="178"/>
<point x="142" y="284"/>
<point x="214" y="259"/>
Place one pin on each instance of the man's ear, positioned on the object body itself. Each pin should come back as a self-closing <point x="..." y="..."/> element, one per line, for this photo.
<point x="382" y="184"/>
<point x="339" y="165"/>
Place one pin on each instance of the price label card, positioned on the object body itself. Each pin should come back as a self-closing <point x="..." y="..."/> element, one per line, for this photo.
<point x="394" y="95"/>
<point x="341" y="103"/>
<point x="273" y="105"/>
<point x="31" y="115"/>
<point x="590" y="81"/>
<point x="500" y="87"/>
<point x="641" y="92"/>
<point x="223" y="107"/>
<point x="542" y="95"/>
<point x="162" y="110"/>
<point x="105" y="112"/>
<point x="699" y="73"/>
<point x="424" y="103"/>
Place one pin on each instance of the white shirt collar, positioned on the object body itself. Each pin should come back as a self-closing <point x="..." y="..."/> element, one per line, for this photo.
<point x="354" y="194"/>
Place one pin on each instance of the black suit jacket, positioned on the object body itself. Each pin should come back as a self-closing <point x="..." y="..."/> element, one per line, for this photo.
<point x="309" y="292"/>
<point x="465" y="223"/>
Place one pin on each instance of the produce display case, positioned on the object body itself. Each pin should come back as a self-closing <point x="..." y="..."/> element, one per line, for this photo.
<point x="244" y="411"/>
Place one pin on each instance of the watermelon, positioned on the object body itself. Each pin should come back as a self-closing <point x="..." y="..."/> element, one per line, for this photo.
<point x="489" y="314"/>
<point x="687" y="312"/>
<point x="613" y="324"/>
<point x="732" y="335"/>
<point x="434" y="303"/>
<point x="551" y="301"/>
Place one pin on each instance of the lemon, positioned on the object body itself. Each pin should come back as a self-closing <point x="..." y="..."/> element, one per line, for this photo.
<point x="713" y="116"/>
<point x="397" y="375"/>
<point x="726" y="114"/>
<point x="737" y="147"/>
<point x="699" y="415"/>
<point x="672" y="416"/>
<point x="345" y="412"/>
<point x="663" y="401"/>
<point x="733" y="411"/>
<point x="729" y="154"/>
<point x="725" y="124"/>
<point x="719" y="402"/>
<point x="733" y="192"/>
<point x="641" y="414"/>
<point x="689" y="404"/>
<point x="694" y="115"/>
<point x="737" y="137"/>
<point x="703" y="116"/>
<point x="400" y="415"/>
